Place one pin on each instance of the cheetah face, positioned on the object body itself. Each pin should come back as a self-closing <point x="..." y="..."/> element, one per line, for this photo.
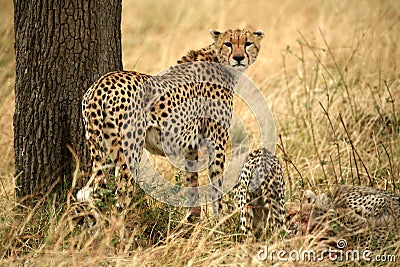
<point x="314" y="214"/>
<point x="237" y="48"/>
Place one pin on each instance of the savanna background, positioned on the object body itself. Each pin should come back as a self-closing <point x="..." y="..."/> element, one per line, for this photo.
<point x="330" y="73"/>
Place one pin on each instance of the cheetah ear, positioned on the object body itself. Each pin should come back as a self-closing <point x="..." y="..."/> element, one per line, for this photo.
<point x="215" y="34"/>
<point x="309" y="196"/>
<point x="259" y="34"/>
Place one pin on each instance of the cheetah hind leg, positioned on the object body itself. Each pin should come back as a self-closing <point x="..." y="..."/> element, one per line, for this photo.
<point x="86" y="193"/>
<point x="125" y="189"/>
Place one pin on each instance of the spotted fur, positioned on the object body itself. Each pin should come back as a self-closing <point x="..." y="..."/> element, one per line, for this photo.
<point x="106" y="102"/>
<point x="260" y="193"/>
<point x="361" y="215"/>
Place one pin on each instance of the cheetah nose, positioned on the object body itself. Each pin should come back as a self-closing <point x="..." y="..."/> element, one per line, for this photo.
<point x="238" y="58"/>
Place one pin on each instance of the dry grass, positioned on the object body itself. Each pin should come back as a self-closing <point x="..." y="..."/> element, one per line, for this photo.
<point x="330" y="72"/>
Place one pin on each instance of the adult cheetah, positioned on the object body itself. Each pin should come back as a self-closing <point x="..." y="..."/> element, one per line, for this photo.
<point x="106" y="102"/>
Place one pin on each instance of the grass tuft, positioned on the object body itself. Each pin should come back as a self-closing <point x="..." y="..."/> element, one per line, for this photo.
<point x="330" y="72"/>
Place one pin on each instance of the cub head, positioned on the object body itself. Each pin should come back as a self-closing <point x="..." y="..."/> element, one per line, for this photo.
<point x="237" y="48"/>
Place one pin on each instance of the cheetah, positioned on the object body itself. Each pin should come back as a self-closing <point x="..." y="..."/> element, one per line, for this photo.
<point x="362" y="215"/>
<point x="260" y="193"/>
<point x="105" y="109"/>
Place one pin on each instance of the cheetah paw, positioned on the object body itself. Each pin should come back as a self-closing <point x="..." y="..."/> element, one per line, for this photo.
<point x="85" y="194"/>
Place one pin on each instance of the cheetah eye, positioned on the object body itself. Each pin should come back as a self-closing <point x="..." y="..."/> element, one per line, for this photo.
<point x="248" y="43"/>
<point x="228" y="44"/>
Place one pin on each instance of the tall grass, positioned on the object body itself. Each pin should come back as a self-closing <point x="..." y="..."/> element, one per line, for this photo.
<point x="330" y="72"/>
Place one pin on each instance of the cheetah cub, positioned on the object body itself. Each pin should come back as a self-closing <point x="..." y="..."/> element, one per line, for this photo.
<point x="259" y="193"/>
<point x="361" y="215"/>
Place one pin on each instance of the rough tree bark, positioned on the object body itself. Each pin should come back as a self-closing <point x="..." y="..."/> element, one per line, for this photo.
<point x="61" y="48"/>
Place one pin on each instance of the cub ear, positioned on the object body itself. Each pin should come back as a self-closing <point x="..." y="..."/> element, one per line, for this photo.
<point x="215" y="34"/>
<point x="309" y="197"/>
<point x="259" y="34"/>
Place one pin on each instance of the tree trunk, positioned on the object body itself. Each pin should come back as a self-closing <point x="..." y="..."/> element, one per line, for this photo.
<point x="61" y="48"/>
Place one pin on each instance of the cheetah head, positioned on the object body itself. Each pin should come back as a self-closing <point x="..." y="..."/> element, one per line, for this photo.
<point x="313" y="214"/>
<point x="237" y="48"/>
